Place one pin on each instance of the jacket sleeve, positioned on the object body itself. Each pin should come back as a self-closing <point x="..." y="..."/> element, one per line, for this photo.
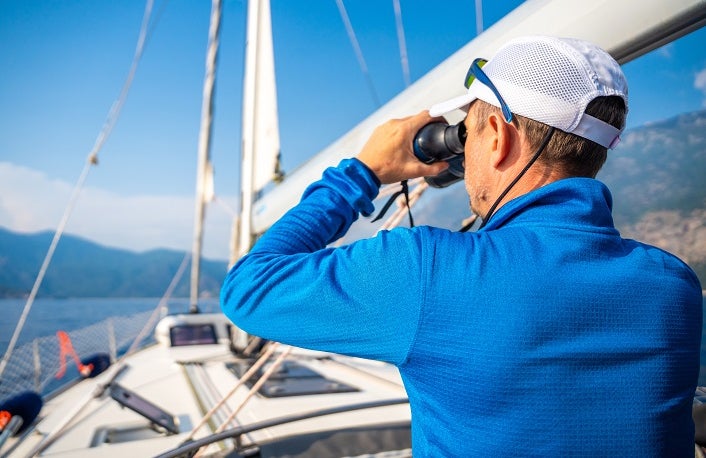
<point x="361" y="299"/>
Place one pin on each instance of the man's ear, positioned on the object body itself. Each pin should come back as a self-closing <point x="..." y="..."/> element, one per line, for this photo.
<point x="504" y="138"/>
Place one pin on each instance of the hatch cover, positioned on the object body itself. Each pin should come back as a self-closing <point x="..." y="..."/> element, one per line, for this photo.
<point x="291" y="379"/>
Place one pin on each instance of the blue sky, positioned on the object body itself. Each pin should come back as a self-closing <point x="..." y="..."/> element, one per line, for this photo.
<point x="65" y="62"/>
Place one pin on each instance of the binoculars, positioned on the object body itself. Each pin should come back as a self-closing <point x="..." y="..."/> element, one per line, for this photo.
<point x="438" y="142"/>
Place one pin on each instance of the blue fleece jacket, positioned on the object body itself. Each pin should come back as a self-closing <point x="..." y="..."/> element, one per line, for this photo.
<point x="545" y="333"/>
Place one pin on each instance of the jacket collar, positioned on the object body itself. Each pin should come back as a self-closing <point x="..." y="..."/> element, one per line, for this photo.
<point x="575" y="202"/>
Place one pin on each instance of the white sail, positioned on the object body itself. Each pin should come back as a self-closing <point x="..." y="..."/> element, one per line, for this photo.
<point x="260" y="132"/>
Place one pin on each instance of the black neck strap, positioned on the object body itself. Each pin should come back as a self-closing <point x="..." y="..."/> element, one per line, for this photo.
<point x="502" y="195"/>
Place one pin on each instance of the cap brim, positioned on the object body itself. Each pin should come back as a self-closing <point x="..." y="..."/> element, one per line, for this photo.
<point x="453" y="104"/>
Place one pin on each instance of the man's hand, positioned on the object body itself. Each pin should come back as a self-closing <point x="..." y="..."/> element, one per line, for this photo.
<point x="388" y="151"/>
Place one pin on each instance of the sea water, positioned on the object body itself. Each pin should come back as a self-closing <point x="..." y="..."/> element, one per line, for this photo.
<point x="47" y="316"/>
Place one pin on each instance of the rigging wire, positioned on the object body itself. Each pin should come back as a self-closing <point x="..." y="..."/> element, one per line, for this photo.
<point x="403" y="44"/>
<point x="161" y="306"/>
<point x="479" y="17"/>
<point x="92" y="159"/>
<point x="358" y="51"/>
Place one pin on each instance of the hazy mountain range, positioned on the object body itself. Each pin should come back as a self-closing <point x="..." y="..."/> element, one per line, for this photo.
<point x="81" y="268"/>
<point x="656" y="174"/>
<point x="658" y="179"/>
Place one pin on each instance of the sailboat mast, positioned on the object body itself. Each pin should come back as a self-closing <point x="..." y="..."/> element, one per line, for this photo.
<point x="204" y="170"/>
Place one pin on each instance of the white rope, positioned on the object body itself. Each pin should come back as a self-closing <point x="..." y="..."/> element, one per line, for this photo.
<point x="261" y="381"/>
<point x="92" y="159"/>
<point x="358" y="51"/>
<point x="398" y="214"/>
<point x="393" y="188"/>
<point x="244" y="378"/>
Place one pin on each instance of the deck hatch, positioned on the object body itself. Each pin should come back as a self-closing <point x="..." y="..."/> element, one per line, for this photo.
<point x="192" y="334"/>
<point x="291" y="379"/>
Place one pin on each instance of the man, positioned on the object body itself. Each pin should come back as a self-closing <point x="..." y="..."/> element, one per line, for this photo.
<point x="544" y="333"/>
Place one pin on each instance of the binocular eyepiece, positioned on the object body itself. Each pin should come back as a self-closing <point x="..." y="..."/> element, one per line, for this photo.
<point x="437" y="142"/>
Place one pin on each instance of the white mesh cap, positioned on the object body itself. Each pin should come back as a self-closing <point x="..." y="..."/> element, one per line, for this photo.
<point x="550" y="80"/>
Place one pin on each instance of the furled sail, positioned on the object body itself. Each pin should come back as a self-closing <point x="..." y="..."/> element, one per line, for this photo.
<point x="204" y="169"/>
<point x="260" y="128"/>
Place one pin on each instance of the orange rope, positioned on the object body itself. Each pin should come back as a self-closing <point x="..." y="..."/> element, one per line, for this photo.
<point x="66" y="349"/>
